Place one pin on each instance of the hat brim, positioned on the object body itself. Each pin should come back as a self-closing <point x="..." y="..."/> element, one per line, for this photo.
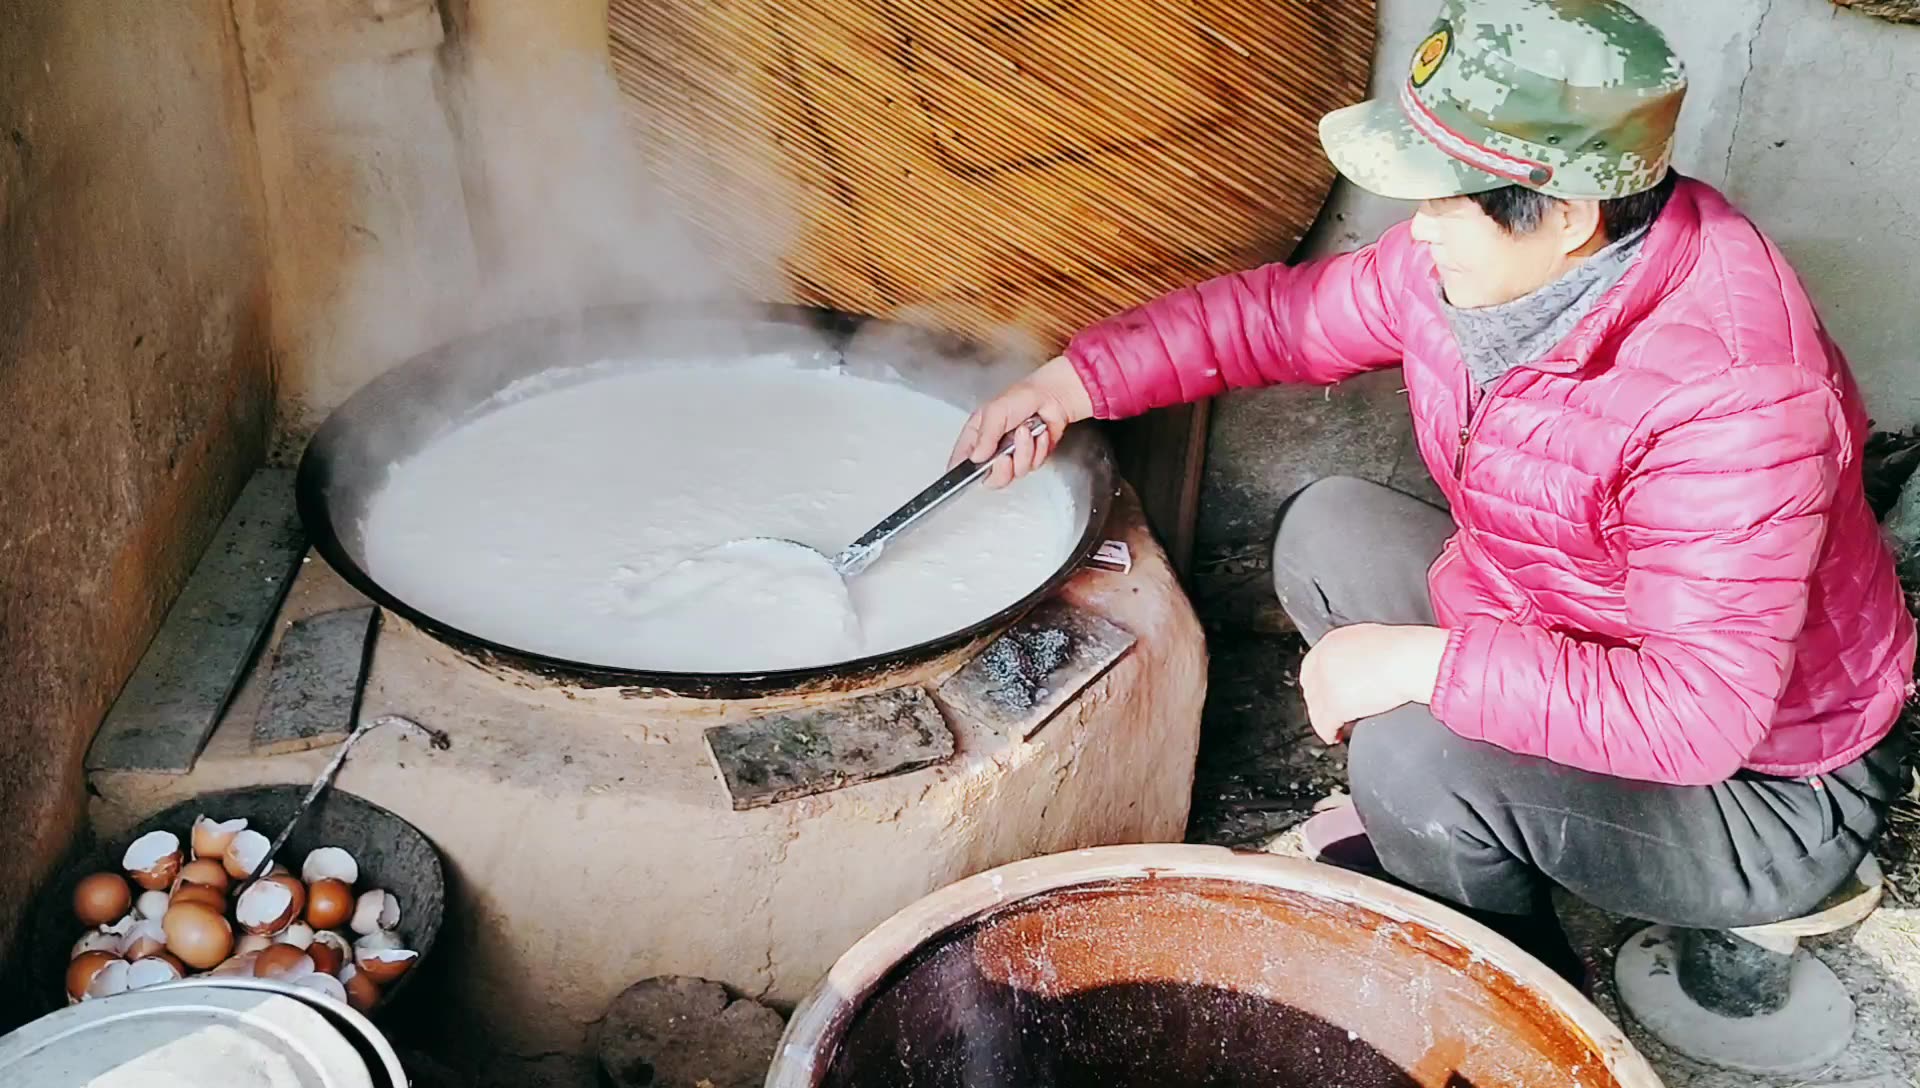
<point x="1377" y="148"/>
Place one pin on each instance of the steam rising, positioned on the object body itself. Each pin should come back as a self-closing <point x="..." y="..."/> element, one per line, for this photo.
<point x="557" y="201"/>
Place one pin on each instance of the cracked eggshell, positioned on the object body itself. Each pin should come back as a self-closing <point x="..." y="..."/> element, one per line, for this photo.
<point x="376" y="910"/>
<point x="111" y="979"/>
<point x="245" y="853"/>
<point x="153" y="971"/>
<point x="298" y="934"/>
<point x="153" y="859"/>
<point x="283" y="962"/>
<point x="294" y="888"/>
<point x="241" y="964"/>
<point x="362" y="992"/>
<point x="330" y="863"/>
<point x="148" y="938"/>
<point x="381" y="957"/>
<point x="330" y="951"/>
<point x="81" y="972"/>
<point x="325" y="983"/>
<point x="264" y="907"/>
<point x="151" y="905"/>
<point x="100" y="898"/>
<point x="211" y="837"/>
<point x="252" y="942"/>
<point x="97" y="940"/>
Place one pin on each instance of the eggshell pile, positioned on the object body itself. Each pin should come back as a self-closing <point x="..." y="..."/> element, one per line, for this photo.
<point x="166" y="917"/>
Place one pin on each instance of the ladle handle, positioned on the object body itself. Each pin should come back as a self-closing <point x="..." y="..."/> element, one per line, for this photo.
<point x="865" y="550"/>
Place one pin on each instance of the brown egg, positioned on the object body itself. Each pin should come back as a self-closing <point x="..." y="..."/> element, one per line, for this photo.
<point x="101" y="899"/>
<point x="81" y="971"/>
<point x="206" y="871"/>
<point x="362" y="992"/>
<point x="212" y="898"/>
<point x="329" y="904"/>
<point x="198" y="935"/>
<point x="282" y="960"/>
<point x="327" y="959"/>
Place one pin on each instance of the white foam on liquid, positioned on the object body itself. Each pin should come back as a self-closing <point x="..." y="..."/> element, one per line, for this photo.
<point x="561" y="523"/>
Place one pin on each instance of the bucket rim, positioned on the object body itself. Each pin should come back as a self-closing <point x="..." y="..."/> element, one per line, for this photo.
<point x="807" y="1047"/>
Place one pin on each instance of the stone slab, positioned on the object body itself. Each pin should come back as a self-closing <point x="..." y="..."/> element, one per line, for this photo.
<point x="781" y="756"/>
<point x="1021" y="679"/>
<point x="313" y="691"/>
<point x="674" y="1030"/>
<point x="194" y="664"/>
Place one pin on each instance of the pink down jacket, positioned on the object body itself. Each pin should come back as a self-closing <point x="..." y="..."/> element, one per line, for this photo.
<point x="1665" y="567"/>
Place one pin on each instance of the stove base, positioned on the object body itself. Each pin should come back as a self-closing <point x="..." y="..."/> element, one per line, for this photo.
<point x="590" y="843"/>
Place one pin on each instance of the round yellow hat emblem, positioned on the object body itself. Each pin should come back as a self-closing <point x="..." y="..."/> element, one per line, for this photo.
<point x="1427" y="58"/>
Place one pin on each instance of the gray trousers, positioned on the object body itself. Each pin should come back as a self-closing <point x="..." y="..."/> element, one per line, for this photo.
<point x="1490" y="830"/>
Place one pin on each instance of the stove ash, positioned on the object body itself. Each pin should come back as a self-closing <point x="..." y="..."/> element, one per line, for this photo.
<point x="1020" y="662"/>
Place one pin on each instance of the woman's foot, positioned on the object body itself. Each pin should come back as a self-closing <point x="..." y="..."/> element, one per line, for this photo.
<point x="1331" y="836"/>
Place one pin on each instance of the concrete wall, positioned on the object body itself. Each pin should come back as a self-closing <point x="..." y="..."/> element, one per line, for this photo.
<point x="437" y="167"/>
<point x="1797" y="109"/>
<point x="134" y="384"/>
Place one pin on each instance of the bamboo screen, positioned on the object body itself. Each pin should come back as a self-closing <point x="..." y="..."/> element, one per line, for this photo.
<point x="990" y="161"/>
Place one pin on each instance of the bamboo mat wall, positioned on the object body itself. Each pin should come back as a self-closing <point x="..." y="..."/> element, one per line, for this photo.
<point x="984" y="162"/>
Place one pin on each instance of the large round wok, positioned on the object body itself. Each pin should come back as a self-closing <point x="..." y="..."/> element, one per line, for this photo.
<point x="425" y="397"/>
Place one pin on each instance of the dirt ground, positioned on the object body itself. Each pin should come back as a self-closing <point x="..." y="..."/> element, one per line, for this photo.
<point x="1261" y="771"/>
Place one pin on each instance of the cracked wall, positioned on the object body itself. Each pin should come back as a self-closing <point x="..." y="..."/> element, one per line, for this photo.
<point x="1795" y="110"/>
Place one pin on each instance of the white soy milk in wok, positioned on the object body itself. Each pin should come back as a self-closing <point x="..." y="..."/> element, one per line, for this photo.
<point x="552" y="523"/>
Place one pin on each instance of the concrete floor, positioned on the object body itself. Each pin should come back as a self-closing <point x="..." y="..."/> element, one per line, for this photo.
<point x="1261" y="771"/>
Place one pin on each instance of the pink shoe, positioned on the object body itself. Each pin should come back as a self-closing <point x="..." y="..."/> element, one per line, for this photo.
<point x="1336" y="837"/>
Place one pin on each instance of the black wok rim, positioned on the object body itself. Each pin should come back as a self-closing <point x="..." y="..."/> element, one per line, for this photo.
<point x="315" y="514"/>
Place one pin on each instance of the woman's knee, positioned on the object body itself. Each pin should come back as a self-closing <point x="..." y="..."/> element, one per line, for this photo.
<point x="1413" y="783"/>
<point x="1321" y="516"/>
<point x="1315" y="531"/>
<point x="1400" y="766"/>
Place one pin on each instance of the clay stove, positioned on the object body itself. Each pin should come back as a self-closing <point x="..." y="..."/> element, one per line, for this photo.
<point x="590" y="839"/>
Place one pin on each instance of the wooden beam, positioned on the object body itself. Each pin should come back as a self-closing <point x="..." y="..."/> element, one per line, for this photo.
<point x="1162" y="454"/>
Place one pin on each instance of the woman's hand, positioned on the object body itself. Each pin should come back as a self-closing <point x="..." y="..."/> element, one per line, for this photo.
<point x="1053" y="393"/>
<point x="1366" y="669"/>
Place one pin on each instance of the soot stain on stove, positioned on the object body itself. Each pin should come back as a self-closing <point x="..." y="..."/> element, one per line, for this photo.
<point x="1020" y="662"/>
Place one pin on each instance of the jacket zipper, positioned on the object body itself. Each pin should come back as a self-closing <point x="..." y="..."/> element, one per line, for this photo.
<point x="1471" y="424"/>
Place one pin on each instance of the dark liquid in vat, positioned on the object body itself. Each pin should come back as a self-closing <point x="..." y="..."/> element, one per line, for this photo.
<point x="939" y="1022"/>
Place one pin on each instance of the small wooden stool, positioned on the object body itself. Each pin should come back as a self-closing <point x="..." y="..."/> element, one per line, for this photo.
<point x="1748" y="999"/>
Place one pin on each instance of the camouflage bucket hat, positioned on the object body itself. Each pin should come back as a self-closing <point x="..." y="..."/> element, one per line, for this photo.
<point x="1575" y="98"/>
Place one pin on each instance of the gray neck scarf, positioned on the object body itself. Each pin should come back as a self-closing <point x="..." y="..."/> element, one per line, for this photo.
<point x="1495" y="339"/>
